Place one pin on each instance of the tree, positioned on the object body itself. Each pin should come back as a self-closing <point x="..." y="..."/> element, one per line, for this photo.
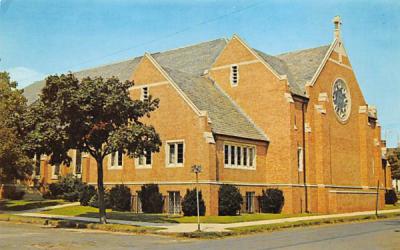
<point x="393" y="156"/>
<point x="94" y="115"/>
<point x="14" y="161"/>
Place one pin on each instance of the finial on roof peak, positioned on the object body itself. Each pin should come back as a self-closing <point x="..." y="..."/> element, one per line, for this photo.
<point x="337" y="22"/>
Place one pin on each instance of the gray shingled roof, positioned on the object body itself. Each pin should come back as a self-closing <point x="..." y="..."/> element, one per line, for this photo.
<point x="299" y="66"/>
<point x="186" y="65"/>
<point x="226" y="118"/>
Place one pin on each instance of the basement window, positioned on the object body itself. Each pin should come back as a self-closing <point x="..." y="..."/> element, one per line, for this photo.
<point x="234" y="75"/>
<point x="239" y="156"/>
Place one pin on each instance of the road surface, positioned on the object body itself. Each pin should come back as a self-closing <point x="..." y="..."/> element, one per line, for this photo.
<point x="384" y="234"/>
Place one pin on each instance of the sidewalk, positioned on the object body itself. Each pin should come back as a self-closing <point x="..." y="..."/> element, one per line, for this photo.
<point x="209" y="227"/>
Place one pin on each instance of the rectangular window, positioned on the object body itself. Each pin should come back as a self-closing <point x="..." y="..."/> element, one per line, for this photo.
<point x="56" y="171"/>
<point x="250" y="202"/>
<point x="37" y="164"/>
<point x="145" y="94"/>
<point x="78" y="162"/>
<point x="300" y="158"/>
<point x="116" y="159"/>
<point x="226" y="154"/>
<point x="239" y="156"/>
<point x="144" y="161"/>
<point x="234" y="75"/>
<point x="175" y="154"/>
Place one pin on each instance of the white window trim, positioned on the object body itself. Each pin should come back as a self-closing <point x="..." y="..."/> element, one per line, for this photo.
<point x="231" y="75"/>
<point x="54" y="176"/>
<point x="300" y="155"/>
<point x="74" y="164"/>
<point x="142" y="92"/>
<point x="174" y="165"/>
<point x="37" y="175"/>
<point x="115" y="167"/>
<point x="236" y="166"/>
<point x="143" y="166"/>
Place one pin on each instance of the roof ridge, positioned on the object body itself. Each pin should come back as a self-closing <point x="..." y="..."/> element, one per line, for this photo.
<point x="300" y="50"/>
<point x="187" y="46"/>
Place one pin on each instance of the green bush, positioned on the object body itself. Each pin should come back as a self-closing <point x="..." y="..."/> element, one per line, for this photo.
<point x="151" y="198"/>
<point x="272" y="201"/>
<point x="189" y="203"/>
<point x="229" y="200"/>
<point x="94" y="201"/>
<point x="120" y="198"/>
<point x="68" y="188"/>
<point x="87" y="192"/>
<point x="390" y="197"/>
<point x="11" y="192"/>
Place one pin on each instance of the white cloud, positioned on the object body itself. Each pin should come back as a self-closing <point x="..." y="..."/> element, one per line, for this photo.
<point x="24" y="76"/>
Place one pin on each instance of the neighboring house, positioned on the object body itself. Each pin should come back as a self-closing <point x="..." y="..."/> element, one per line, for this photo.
<point x="296" y="121"/>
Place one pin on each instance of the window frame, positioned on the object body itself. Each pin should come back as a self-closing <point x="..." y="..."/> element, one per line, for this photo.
<point x="142" y="96"/>
<point x="74" y="161"/>
<point x="234" y="84"/>
<point x="167" y="153"/>
<point x="145" y="165"/>
<point x="113" y="167"/>
<point x="233" y="147"/>
<point x="54" y="175"/>
<point x="300" y="159"/>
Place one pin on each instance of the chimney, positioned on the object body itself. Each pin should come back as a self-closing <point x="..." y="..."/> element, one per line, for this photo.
<point x="337" y="22"/>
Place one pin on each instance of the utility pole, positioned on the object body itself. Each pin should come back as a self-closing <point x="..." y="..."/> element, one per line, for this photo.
<point x="197" y="169"/>
<point x="377" y="199"/>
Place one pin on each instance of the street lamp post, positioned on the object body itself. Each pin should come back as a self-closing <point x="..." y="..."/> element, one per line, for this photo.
<point x="197" y="169"/>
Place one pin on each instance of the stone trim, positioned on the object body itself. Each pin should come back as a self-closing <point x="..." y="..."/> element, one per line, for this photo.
<point x="154" y="84"/>
<point x="350" y="192"/>
<point x="237" y="64"/>
<point x="340" y="64"/>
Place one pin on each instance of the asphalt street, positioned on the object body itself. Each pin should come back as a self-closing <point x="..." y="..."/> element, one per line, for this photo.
<point x="383" y="234"/>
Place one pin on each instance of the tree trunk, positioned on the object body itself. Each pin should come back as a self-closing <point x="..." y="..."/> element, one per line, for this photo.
<point x="100" y="188"/>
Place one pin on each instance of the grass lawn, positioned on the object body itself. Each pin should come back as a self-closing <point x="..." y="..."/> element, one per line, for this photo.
<point x="20" y="205"/>
<point x="163" y="218"/>
<point x="389" y="207"/>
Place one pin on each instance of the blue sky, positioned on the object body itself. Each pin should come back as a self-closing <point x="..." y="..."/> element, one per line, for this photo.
<point x="39" y="37"/>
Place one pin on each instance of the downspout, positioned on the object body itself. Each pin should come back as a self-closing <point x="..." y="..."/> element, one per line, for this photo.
<point x="304" y="158"/>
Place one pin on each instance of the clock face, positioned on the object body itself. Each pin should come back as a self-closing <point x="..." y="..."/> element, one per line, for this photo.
<point x="341" y="100"/>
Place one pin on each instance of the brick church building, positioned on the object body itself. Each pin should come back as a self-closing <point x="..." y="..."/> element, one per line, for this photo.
<point x="297" y="121"/>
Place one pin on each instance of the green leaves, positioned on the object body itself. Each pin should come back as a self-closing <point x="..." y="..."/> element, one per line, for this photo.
<point x="93" y="115"/>
<point x="14" y="163"/>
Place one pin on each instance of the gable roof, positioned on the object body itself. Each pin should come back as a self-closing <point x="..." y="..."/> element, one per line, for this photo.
<point x="192" y="59"/>
<point x="226" y="118"/>
<point x="185" y="66"/>
<point x="299" y="66"/>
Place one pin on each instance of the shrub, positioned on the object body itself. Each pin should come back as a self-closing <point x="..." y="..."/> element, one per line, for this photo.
<point x="68" y="187"/>
<point x="272" y="201"/>
<point x="151" y="198"/>
<point x="94" y="201"/>
<point x="229" y="200"/>
<point x="120" y="198"/>
<point x="189" y="203"/>
<point x="87" y="192"/>
<point x="11" y="192"/>
<point x="390" y="197"/>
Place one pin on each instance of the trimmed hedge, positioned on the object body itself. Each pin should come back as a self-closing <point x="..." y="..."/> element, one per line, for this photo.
<point x="189" y="203"/>
<point x="390" y="197"/>
<point x="68" y="188"/>
<point x="87" y="192"/>
<point x="120" y="198"/>
<point x="272" y="201"/>
<point x="229" y="200"/>
<point x="151" y="198"/>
